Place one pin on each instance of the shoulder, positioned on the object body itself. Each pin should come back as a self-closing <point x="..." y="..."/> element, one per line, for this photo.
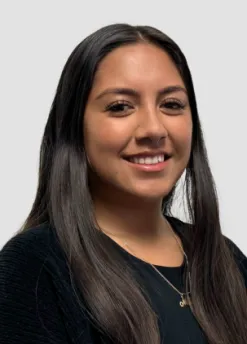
<point x="32" y="237"/>
<point x="26" y="258"/>
<point x="184" y="230"/>
<point x="37" y="301"/>
<point x="239" y="256"/>
<point x="235" y="249"/>
<point x="37" y="243"/>
<point x="29" y="261"/>
<point x="28" y="303"/>
<point x="29" y="252"/>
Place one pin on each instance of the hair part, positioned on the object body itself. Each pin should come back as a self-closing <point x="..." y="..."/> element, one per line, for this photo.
<point x="63" y="200"/>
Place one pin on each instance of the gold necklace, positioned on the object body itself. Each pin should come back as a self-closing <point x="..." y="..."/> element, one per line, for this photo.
<point x="185" y="299"/>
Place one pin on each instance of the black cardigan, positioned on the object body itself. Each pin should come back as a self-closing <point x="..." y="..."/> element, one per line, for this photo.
<point x="38" y="304"/>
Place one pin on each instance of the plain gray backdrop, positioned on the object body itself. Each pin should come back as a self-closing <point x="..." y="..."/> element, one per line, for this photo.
<point x="38" y="36"/>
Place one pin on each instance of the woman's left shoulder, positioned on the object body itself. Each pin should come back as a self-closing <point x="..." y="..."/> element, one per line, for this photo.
<point x="183" y="228"/>
<point x="235" y="249"/>
<point x="239" y="256"/>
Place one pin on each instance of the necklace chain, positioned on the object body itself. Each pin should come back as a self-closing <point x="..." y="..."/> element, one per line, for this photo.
<point x="184" y="300"/>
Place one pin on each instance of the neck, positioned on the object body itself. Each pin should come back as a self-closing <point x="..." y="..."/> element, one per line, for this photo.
<point x="126" y="218"/>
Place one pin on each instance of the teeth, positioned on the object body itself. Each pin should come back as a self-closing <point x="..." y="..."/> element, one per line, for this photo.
<point x="148" y="160"/>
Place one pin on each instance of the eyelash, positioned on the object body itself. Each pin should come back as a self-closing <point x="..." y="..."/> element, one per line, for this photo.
<point x="113" y="107"/>
<point x="118" y="103"/>
<point x="180" y="106"/>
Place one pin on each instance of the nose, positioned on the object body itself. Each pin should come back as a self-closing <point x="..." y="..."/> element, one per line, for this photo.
<point x="151" y="127"/>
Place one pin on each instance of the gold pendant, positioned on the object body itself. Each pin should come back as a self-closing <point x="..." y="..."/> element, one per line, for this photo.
<point x="183" y="303"/>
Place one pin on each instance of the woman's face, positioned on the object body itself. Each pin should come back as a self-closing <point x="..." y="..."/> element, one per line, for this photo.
<point x="137" y="114"/>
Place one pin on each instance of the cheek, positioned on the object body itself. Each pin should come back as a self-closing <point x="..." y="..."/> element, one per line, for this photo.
<point x="181" y="135"/>
<point x="103" y="138"/>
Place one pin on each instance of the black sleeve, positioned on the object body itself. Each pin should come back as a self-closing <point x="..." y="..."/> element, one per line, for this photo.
<point x="28" y="309"/>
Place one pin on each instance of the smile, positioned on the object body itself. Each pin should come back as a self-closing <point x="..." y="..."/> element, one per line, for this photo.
<point x="149" y="163"/>
<point x="148" y="160"/>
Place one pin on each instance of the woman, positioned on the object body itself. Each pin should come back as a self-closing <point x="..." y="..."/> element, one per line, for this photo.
<point x="100" y="258"/>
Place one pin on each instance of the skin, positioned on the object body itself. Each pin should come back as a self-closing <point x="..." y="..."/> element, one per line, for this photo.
<point x="128" y="201"/>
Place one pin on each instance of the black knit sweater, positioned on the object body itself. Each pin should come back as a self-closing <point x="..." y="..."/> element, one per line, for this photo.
<point x="38" y="304"/>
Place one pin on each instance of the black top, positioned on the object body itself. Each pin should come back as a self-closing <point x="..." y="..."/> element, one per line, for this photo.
<point x="38" y="304"/>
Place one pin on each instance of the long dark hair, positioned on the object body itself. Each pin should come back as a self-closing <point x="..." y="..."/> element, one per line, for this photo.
<point x="63" y="200"/>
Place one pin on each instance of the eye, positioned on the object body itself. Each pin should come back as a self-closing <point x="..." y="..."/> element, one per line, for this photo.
<point x="173" y="105"/>
<point x="119" y="107"/>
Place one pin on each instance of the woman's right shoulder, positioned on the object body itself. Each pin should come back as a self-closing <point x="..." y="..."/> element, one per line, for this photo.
<point x="24" y="257"/>
<point x="30" y="251"/>
<point x="32" y="275"/>
<point x="32" y="243"/>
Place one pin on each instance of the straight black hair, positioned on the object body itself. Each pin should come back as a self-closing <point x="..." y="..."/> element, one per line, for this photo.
<point x="63" y="200"/>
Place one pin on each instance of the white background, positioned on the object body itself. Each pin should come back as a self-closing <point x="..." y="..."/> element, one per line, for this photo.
<point x="36" y="40"/>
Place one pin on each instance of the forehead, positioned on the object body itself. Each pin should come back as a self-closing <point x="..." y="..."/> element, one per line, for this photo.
<point x="139" y="66"/>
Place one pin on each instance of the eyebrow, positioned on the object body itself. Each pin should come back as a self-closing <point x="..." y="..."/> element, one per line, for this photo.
<point x="133" y="93"/>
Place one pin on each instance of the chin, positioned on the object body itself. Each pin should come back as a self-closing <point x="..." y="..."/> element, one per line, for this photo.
<point x="151" y="193"/>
